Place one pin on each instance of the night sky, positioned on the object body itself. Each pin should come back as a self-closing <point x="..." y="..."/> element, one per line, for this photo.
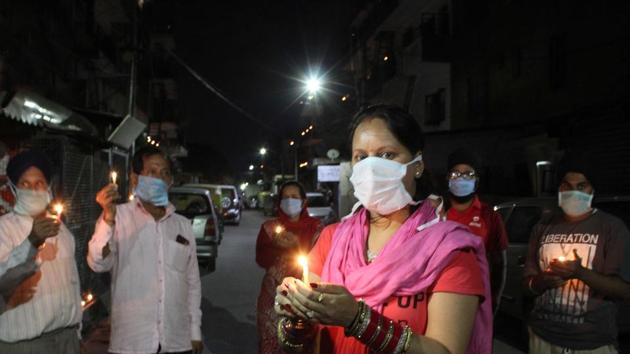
<point x="255" y="52"/>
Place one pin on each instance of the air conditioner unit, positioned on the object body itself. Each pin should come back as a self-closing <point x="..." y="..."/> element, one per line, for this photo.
<point x="127" y="132"/>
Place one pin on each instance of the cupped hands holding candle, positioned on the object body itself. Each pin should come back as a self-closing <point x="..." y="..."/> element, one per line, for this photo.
<point x="283" y="237"/>
<point x="567" y="269"/>
<point x="306" y="299"/>
<point x="328" y="304"/>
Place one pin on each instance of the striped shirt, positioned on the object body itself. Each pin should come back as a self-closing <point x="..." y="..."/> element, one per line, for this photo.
<point x="156" y="289"/>
<point x="56" y="301"/>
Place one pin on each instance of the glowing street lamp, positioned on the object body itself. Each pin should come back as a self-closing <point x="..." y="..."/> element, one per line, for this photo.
<point x="263" y="151"/>
<point x="251" y="167"/>
<point x="313" y="85"/>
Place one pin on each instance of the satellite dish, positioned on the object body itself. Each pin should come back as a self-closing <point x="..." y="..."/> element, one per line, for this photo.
<point x="333" y="154"/>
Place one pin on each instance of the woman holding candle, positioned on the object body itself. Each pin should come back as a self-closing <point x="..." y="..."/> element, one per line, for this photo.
<point x="393" y="277"/>
<point x="279" y="241"/>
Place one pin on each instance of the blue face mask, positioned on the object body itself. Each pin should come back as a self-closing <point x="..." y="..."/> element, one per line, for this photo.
<point x="575" y="203"/>
<point x="291" y="206"/>
<point x="152" y="190"/>
<point x="461" y="187"/>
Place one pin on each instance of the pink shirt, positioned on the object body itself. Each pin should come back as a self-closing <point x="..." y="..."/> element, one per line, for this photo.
<point x="155" y="289"/>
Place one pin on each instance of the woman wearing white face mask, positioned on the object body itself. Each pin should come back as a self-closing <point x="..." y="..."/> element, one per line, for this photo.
<point x="392" y="277"/>
<point x="279" y="241"/>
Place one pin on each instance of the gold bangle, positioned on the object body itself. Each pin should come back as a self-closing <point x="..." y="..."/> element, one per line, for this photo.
<point x="404" y="337"/>
<point x="388" y="337"/>
<point x="354" y="327"/>
<point x="408" y="341"/>
<point x="365" y="322"/>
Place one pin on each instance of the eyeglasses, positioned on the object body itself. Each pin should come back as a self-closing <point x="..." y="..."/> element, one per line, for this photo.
<point x="464" y="175"/>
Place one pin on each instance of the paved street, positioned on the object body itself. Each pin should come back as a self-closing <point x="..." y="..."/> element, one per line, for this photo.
<point x="229" y="293"/>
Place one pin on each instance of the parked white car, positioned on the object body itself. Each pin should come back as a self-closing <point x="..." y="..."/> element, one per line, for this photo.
<point x="319" y="207"/>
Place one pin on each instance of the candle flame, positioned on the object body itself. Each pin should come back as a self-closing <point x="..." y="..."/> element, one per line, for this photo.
<point x="279" y="229"/>
<point x="82" y="303"/>
<point x="58" y="208"/>
<point x="131" y="197"/>
<point x="562" y="258"/>
<point x="89" y="297"/>
<point x="303" y="261"/>
<point x="114" y="176"/>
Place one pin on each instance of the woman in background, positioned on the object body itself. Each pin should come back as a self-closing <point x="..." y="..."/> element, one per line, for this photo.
<point x="279" y="242"/>
<point x="392" y="277"/>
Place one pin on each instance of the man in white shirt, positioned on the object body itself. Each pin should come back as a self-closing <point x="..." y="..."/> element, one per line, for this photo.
<point x="151" y="253"/>
<point x="40" y="304"/>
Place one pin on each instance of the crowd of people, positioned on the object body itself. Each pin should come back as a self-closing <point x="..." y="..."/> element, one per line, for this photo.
<point x="148" y="249"/>
<point x="404" y="274"/>
<point x="408" y="271"/>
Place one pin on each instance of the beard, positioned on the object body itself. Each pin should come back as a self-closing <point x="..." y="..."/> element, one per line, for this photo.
<point x="461" y="200"/>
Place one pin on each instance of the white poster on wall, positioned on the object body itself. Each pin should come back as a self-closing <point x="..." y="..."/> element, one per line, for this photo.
<point x="328" y="173"/>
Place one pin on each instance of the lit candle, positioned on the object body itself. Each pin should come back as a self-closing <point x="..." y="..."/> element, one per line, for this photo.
<point x="562" y="258"/>
<point x="58" y="210"/>
<point x="82" y="303"/>
<point x="279" y="229"/>
<point x="131" y="197"/>
<point x="114" y="176"/>
<point x="89" y="297"/>
<point x="304" y="263"/>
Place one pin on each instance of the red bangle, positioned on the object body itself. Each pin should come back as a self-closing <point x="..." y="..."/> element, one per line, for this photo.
<point x="371" y="327"/>
<point x="391" y="346"/>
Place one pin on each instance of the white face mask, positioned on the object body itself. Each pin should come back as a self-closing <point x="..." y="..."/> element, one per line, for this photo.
<point x="575" y="203"/>
<point x="29" y="202"/>
<point x="378" y="184"/>
<point x="291" y="206"/>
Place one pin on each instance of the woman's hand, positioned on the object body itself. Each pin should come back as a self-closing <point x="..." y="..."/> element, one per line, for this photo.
<point x="285" y="239"/>
<point x="327" y="304"/>
<point x="282" y="304"/>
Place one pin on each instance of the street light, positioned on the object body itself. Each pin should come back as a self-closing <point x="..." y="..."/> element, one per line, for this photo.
<point x="251" y="167"/>
<point x="313" y="85"/>
<point x="263" y="151"/>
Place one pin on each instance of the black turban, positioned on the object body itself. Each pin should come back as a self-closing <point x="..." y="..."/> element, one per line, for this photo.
<point x="463" y="156"/>
<point x="26" y="159"/>
<point x="579" y="163"/>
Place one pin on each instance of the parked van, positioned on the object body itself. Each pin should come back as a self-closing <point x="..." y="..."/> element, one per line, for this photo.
<point x="227" y="198"/>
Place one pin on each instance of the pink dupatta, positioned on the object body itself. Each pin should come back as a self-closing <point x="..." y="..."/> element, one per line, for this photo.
<point x="408" y="264"/>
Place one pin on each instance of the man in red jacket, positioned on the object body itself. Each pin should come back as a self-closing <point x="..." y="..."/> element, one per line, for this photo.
<point x="481" y="219"/>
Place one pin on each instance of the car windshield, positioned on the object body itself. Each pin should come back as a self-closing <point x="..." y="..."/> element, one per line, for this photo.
<point x="190" y="204"/>
<point x="317" y="201"/>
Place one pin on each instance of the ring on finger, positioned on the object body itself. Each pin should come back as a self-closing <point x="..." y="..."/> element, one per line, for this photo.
<point x="320" y="298"/>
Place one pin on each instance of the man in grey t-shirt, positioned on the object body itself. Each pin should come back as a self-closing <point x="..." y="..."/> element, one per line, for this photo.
<point x="576" y="268"/>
